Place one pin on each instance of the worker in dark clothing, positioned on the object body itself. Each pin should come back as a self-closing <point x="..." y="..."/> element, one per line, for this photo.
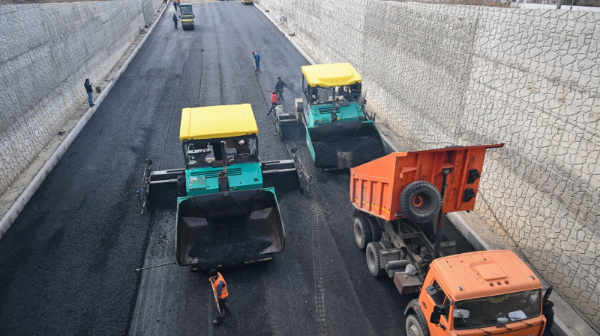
<point x="88" y="89"/>
<point x="220" y="293"/>
<point x="175" y="5"/>
<point x="548" y="313"/>
<point x="274" y="102"/>
<point x="353" y="94"/>
<point x="256" y="57"/>
<point x="547" y="310"/>
<point x="241" y="147"/>
<point x="175" y="18"/>
<point x="279" y="86"/>
<point x="313" y="93"/>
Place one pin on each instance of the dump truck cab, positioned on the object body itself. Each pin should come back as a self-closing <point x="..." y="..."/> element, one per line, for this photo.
<point x="338" y="133"/>
<point x="187" y="16"/>
<point x="478" y="293"/>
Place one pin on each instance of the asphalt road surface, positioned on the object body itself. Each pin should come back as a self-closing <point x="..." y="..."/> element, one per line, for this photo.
<point x="67" y="265"/>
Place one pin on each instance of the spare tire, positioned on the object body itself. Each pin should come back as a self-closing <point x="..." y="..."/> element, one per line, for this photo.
<point x="420" y="202"/>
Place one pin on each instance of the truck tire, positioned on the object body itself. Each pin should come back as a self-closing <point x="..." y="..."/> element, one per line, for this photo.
<point x="375" y="229"/>
<point x="420" y="202"/>
<point x="373" y="259"/>
<point x="362" y="232"/>
<point x="413" y="326"/>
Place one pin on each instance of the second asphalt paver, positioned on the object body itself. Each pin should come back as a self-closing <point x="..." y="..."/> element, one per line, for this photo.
<point x="67" y="265"/>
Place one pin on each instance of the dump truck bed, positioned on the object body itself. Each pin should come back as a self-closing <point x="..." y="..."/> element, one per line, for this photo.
<point x="375" y="187"/>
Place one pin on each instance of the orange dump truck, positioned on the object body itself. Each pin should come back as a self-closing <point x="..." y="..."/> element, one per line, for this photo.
<point x="399" y="201"/>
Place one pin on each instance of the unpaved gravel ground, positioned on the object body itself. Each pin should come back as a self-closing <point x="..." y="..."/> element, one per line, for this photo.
<point x="67" y="265"/>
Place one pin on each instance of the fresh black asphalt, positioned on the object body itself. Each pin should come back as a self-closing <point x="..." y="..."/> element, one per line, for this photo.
<point x="67" y="265"/>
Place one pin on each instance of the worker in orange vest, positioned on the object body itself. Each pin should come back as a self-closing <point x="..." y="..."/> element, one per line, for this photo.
<point x="220" y="292"/>
<point x="274" y="102"/>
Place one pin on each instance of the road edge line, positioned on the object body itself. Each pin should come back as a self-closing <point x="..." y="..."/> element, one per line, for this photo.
<point x="13" y="212"/>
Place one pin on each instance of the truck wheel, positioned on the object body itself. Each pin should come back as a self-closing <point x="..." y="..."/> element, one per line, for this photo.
<point x="420" y="201"/>
<point x="362" y="232"/>
<point x="373" y="257"/>
<point x="413" y="326"/>
<point x="375" y="229"/>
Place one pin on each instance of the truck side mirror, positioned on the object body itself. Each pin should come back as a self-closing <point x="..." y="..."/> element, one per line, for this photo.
<point x="436" y="314"/>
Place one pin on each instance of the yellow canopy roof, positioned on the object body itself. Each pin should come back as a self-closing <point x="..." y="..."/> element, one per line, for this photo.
<point x="330" y="75"/>
<point x="213" y="122"/>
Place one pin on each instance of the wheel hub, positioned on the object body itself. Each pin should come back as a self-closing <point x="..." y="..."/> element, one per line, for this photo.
<point x="417" y="201"/>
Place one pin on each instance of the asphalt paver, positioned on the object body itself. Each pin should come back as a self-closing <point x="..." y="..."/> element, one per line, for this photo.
<point x="68" y="264"/>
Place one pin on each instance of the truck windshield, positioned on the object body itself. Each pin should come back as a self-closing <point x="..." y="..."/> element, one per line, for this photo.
<point x="495" y="310"/>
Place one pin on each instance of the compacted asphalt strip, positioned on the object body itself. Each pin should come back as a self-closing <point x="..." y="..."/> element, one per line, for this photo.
<point x="67" y="264"/>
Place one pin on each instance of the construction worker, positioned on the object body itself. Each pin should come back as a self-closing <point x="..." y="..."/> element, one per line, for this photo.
<point x="220" y="291"/>
<point x="279" y="86"/>
<point x="256" y="57"/>
<point x="274" y="102"/>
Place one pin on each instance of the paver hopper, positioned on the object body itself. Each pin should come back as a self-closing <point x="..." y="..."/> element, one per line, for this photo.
<point x="225" y="216"/>
<point x="228" y="229"/>
<point x="338" y="132"/>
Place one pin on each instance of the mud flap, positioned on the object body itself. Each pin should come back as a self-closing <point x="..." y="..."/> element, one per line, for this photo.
<point x="228" y="228"/>
<point x="344" y="144"/>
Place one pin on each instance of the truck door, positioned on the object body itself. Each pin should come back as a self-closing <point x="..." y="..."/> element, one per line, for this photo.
<point x="439" y="298"/>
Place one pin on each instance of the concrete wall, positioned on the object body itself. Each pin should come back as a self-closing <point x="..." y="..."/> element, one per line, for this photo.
<point x="46" y="52"/>
<point x="464" y="75"/>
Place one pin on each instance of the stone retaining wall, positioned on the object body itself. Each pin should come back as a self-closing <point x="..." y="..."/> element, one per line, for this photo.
<point x="46" y="52"/>
<point x="463" y="75"/>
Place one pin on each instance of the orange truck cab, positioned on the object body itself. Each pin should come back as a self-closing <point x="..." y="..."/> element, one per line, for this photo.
<point x="479" y="293"/>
